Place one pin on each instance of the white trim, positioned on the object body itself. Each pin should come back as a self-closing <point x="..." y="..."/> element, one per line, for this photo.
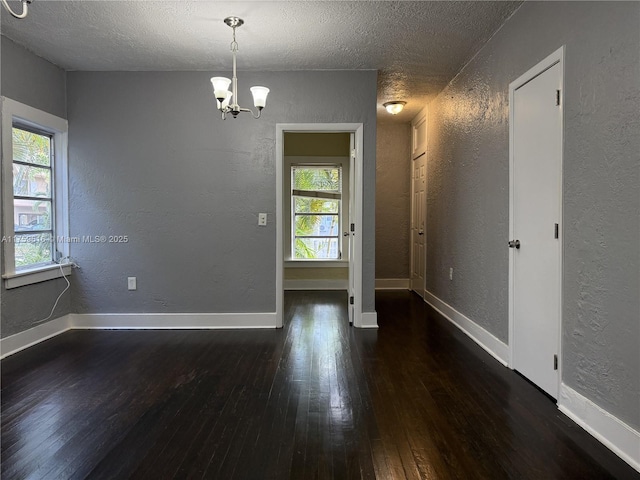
<point x="421" y="117"/>
<point x="29" y="277"/>
<point x="178" y="321"/>
<point x="279" y="226"/>
<point x="58" y="127"/>
<point x="418" y="121"/>
<point x="369" y="320"/>
<point x="316" y="284"/>
<point x="15" y="343"/>
<point x="316" y="264"/>
<point x="393" y="284"/>
<point x="357" y="130"/>
<point x="418" y="151"/>
<point x="134" y="321"/>
<point x="343" y="162"/>
<point x="356" y="262"/>
<point x="556" y="57"/>
<point x="495" y="347"/>
<point x="612" y="432"/>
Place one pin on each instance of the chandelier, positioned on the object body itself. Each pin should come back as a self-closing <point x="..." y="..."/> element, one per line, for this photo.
<point x="226" y="98"/>
<point x="25" y="4"/>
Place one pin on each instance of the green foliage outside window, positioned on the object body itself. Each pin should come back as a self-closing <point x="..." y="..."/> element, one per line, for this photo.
<point x="34" y="236"/>
<point x="306" y="224"/>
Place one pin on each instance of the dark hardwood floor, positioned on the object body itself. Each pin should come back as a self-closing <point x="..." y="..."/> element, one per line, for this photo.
<point x="414" y="399"/>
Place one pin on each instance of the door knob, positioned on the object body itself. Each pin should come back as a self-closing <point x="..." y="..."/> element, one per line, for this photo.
<point x="421" y="232"/>
<point x="514" y="244"/>
<point x="345" y="234"/>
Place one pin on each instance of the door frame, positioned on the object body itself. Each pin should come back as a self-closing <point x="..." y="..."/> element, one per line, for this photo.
<point x="355" y="260"/>
<point x="412" y="253"/>
<point x="556" y="57"/>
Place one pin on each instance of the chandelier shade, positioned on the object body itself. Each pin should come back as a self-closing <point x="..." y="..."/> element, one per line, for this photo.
<point x="225" y="101"/>
<point x="259" y="96"/>
<point x="220" y="87"/>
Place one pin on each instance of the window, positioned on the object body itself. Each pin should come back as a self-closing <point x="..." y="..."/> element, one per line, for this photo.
<point x="35" y="197"/>
<point x="316" y="197"/>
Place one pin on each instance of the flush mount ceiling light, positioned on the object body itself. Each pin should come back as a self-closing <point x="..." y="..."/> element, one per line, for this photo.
<point x="394" y="107"/>
<point x="25" y="4"/>
<point x="228" y="99"/>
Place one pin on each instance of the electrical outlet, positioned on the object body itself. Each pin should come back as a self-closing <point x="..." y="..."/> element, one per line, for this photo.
<point x="262" y="219"/>
<point x="132" y="283"/>
<point x="451" y="273"/>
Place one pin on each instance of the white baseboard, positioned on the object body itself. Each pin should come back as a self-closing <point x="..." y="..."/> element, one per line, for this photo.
<point x="616" y="435"/>
<point x="369" y="320"/>
<point x="393" y="284"/>
<point x="498" y="349"/>
<point x="15" y="343"/>
<point x="612" y="432"/>
<point x="316" y="284"/>
<point x="135" y="321"/>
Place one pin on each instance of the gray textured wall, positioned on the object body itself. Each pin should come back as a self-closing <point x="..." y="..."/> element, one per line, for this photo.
<point x="31" y="80"/>
<point x="468" y="200"/>
<point x="393" y="200"/>
<point x="150" y="158"/>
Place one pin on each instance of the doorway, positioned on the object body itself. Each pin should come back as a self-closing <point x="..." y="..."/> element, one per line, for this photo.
<point x="350" y="239"/>
<point x="535" y="258"/>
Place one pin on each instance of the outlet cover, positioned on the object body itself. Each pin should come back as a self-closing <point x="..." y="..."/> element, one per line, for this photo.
<point x="262" y="219"/>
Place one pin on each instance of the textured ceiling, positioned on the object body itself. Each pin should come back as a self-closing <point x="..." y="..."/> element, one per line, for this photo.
<point x="417" y="47"/>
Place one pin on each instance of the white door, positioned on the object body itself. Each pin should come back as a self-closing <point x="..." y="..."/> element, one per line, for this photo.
<point x="418" y="220"/>
<point x="348" y="231"/>
<point x="535" y="226"/>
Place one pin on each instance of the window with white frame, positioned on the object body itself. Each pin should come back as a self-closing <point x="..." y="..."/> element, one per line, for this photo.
<point x="35" y="199"/>
<point x="316" y="198"/>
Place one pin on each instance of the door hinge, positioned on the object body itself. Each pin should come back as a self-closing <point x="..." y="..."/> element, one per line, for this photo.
<point x="353" y="227"/>
<point x="558" y="97"/>
<point x="353" y="153"/>
<point x="555" y="362"/>
<point x="556" y="231"/>
<point x="351" y="300"/>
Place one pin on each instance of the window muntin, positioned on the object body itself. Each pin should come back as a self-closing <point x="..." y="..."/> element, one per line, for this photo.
<point x="316" y="197"/>
<point x="33" y="197"/>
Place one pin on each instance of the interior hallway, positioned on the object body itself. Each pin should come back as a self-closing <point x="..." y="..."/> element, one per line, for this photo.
<point x="317" y="399"/>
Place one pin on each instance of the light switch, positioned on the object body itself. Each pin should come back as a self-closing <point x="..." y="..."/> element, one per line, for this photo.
<point x="132" y="283"/>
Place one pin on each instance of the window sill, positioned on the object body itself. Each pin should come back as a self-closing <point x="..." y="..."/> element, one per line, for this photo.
<point x="35" y="275"/>
<point x="316" y="264"/>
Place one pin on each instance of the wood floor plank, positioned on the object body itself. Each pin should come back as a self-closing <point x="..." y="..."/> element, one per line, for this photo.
<point x="415" y="399"/>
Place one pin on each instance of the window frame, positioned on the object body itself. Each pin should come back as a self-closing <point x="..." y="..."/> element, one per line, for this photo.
<point x="23" y="116"/>
<point x="50" y="198"/>
<point x="340" y="213"/>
